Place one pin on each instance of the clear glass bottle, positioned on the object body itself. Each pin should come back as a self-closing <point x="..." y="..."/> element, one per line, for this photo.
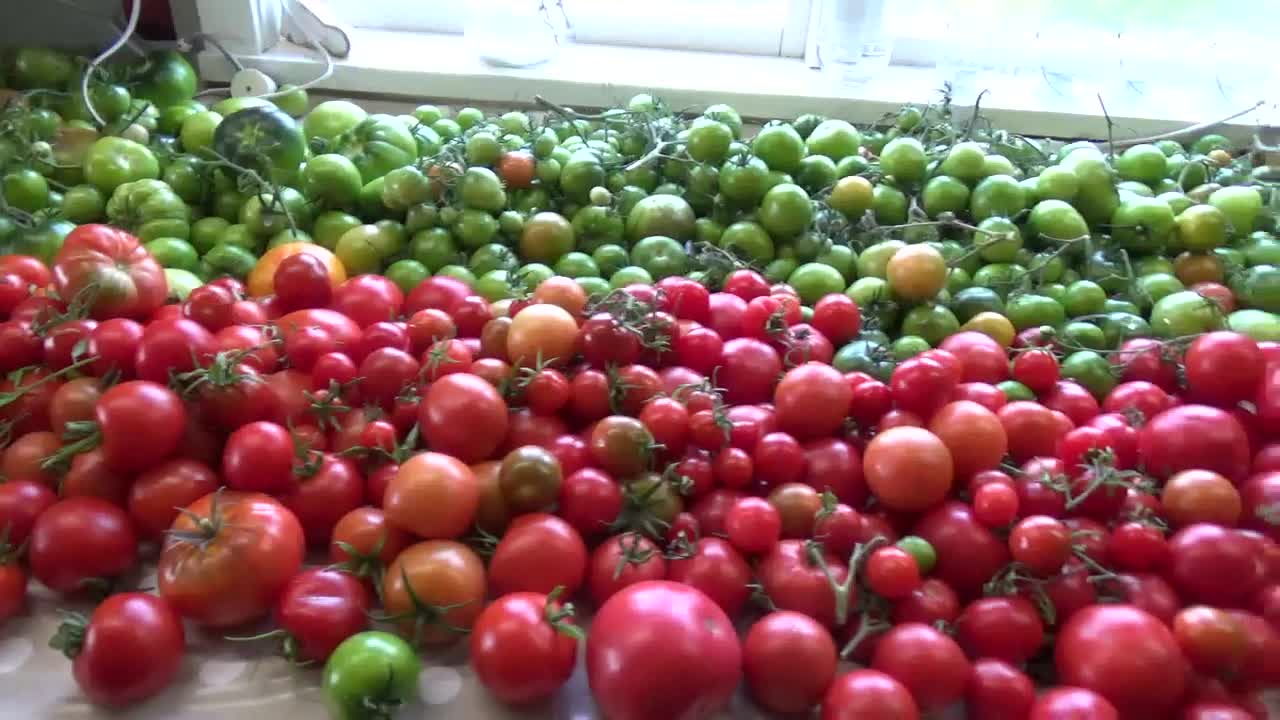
<point x="855" y="43"/>
<point x="514" y="33"/>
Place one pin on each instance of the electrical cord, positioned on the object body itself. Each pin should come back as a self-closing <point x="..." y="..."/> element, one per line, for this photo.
<point x="311" y="39"/>
<point x="135" y="12"/>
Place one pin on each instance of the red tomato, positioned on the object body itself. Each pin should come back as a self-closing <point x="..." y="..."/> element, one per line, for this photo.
<point x="932" y="602"/>
<point x="1223" y="368"/>
<point x="795" y="580"/>
<point x="364" y="543"/>
<point x="141" y="422"/>
<point x="1031" y="430"/>
<point x="931" y="665"/>
<point x="838" y="317"/>
<point x="892" y="572"/>
<point x="1004" y="628"/>
<point x="538" y="553"/>
<point x="1125" y="655"/>
<point x="259" y="457"/>
<point x="1201" y="554"/>
<point x="21" y="502"/>
<point x="130" y="649"/>
<point x="620" y="561"/>
<point x="749" y="371"/>
<point x="812" y="401"/>
<point x="662" y="650"/>
<point x="1072" y="703"/>
<point x="753" y="525"/>
<point x="464" y="416"/>
<point x="80" y="540"/>
<point x="1194" y="437"/>
<point x="367" y="299"/>
<point x="717" y="570"/>
<point x="835" y="465"/>
<point x="230" y="557"/>
<point x="524" y="647"/>
<point x="1259" y="497"/>
<point x="789" y="661"/>
<point x="318" y="609"/>
<point x="908" y="469"/>
<point x="328" y="487"/>
<point x="968" y="554"/>
<point x="998" y="691"/>
<point x="982" y="359"/>
<point x="1037" y="369"/>
<point x="156" y="495"/>
<point x="868" y="695"/>
<point x="921" y="385"/>
<point x="1073" y="400"/>
<point x="113" y="271"/>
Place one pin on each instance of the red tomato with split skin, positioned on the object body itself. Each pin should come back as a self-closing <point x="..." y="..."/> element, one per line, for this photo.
<point x="112" y="270"/>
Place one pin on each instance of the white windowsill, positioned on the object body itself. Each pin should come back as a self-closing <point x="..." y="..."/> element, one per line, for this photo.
<point x="419" y="67"/>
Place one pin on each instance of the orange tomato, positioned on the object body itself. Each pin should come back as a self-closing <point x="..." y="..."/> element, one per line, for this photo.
<point x="973" y="434"/>
<point x="917" y="272"/>
<point x="1200" y="496"/>
<point x="1192" y="268"/>
<point x="562" y="291"/>
<point x="262" y="278"/>
<point x="541" y="331"/>
<point x="432" y="496"/>
<point x="427" y="578"/>
<point x="908" y="468"/>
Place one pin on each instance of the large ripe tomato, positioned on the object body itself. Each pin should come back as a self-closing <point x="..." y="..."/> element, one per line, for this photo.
<point x="79" y="541"/>
<point x="433" y="496"/>
<point x="1223" y="368"/>
<point x="1200" y="555"/>
<point x="662" y="650"/>
<point x="973" y="434"/>
<point x="1124" y="654"/>
<point x="716" y="569"/>
<point x="908" y="469"/>
<point x="968" y="553"/>
<point x="789" y="660"/>
<point x="112" y="271"/>
<point x="228" y="557"/>
<point x="538" y="553"/>
<point x="868" y="695"/>
<point x="982" y="359"/>
<point x="129" y="650"/>
<point x="524" y="647"/>
<point x="344" y="331"/>
<point x="434" y="590"/>
<point x="142" y="423"/>
<point x="464" y="416"/>
<point x="930" y="664"/>
<point x="1194" y="437"/>
<point x="812" y="401"/>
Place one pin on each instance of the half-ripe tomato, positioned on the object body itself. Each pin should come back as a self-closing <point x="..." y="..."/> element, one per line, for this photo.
<point x="662" y="650"/>
<point x="432" y="495"/>
<point x="524" y="647"/>
<point x="464" y="416"/>
<point x="908" y="469"/>
<point x="1125" y="655"/>
<point x="228" y="558"/>
<point x="112" y="271"/>
<point x="973" y="435"/>
<point x="538" y="553"/>
<point x="434" y="590"/>
<point x="1031" y="429"/>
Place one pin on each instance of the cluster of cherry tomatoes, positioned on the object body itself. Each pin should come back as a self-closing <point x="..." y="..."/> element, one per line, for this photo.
<point x="687" y="463"/>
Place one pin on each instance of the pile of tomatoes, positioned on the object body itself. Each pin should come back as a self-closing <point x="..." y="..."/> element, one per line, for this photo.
<point x="686" y="463"/>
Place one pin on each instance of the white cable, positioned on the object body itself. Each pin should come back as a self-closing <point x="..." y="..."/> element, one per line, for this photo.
<point x="315" y="43"/>
<point x="135" y="12"/>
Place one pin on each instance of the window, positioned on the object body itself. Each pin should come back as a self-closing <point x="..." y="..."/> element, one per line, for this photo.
<point x="755" y="27"/>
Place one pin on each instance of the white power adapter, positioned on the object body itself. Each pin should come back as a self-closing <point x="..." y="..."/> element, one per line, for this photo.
<point x="251" y="82"/>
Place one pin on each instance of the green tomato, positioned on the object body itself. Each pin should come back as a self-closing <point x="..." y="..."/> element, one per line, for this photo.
<point x="1121" y="325"/>
<point x="661" y="256"/>
<point x="579" y="264"/>
<point x="42" y="241"/>
<point x="1084" y="297"/>
<point x="972" y="300"/>
<point x="480" y="189"/>
<point x="863" y="355"/>
<point x="1015" y="391"/>
<point x="1130" y="188"/>
<point x="532" y="275"/>
<point x="149" y="209"/>
<point x="493" y="257"/>
<point x="331" y="119"/>
<point x="580" y="173"/>
<point x="422" y="217"/>
<point x="331" y="180"/>
<point x="427" y="114"/>
<point x="920" y="549"/>
<point x="263" y="139"/>
<point x="207" y="232"/>
<point x="931" y="322"/>
<point x="964" y="161"/>
<point x="1185" y="313"/>
<point x="1091" y="370"/>
<point x="708" y="140"/>
<point x="816" y="173"/>
<point x="595" y="225"/>
<point x="727" y="115"/>
<point x="786" y="211"/>
<point x="460" y="272"/>
<point x="231" y="260"/>
<point x="377" y="145"/>
<point x="358" y="250"/>
<point x="815" y="280"/>
<point x="1258" y="287"/>
<point x="1260" y="325"/>
<point x="1240" y="204"/>
<point x="743" y="179"/>
<point x="239" y="236"/>
<point x="944" y="193"/>
<point x="630" y="275"/>
<point x="495" y="285"/>
<point x="181" y="283"/>
<point x="852" y="165"/>
<point x="434" y="248"/>
<point x="293" y="100"/>
<point x="198" y="130"/>
<point x="594" y="287"/>
<point x="1261" y="249"/>
<point x="1208" y="143"/>
<point x="1142" y="225"/>
<point x="667" y="215"/>
<point x="188" y="176"/>
<point x="1201" y="228"/>
<point x="369" y="676"/>
<point x="39" y="67"/>
<point x="1143" y="163"/>
<point x="997" y="195"/>
<point x="999" y="242"/>
<point x="1151" y="288"/>
<point x="1030" y="310"/>
<point x="391" y="239"/>
<point x="874" y="261"/>
<point x="286" y="237"/>
<point x="908" y="346"/>
<point x="1056" y="183"/>
<point x="404" y="187"/>
<point x="469" y="117"/>
<point x="330" y="225"/>
<point x="843" y="259"/>
<point x="25" y="189"/>
<point x="609" y="259"/>
<point x="268" y="213"/>
<point x="904" y="159"/>
<point x="114" y="161"/>
<point x="483" y="148"/>
<point x="889" y="205"/>
<point x="1058" y="220"/>
<point x="749" y="241"/>
<point x="780" y="147"/>
<point x="835" y="139"/>
<point x="174" y="253"/>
